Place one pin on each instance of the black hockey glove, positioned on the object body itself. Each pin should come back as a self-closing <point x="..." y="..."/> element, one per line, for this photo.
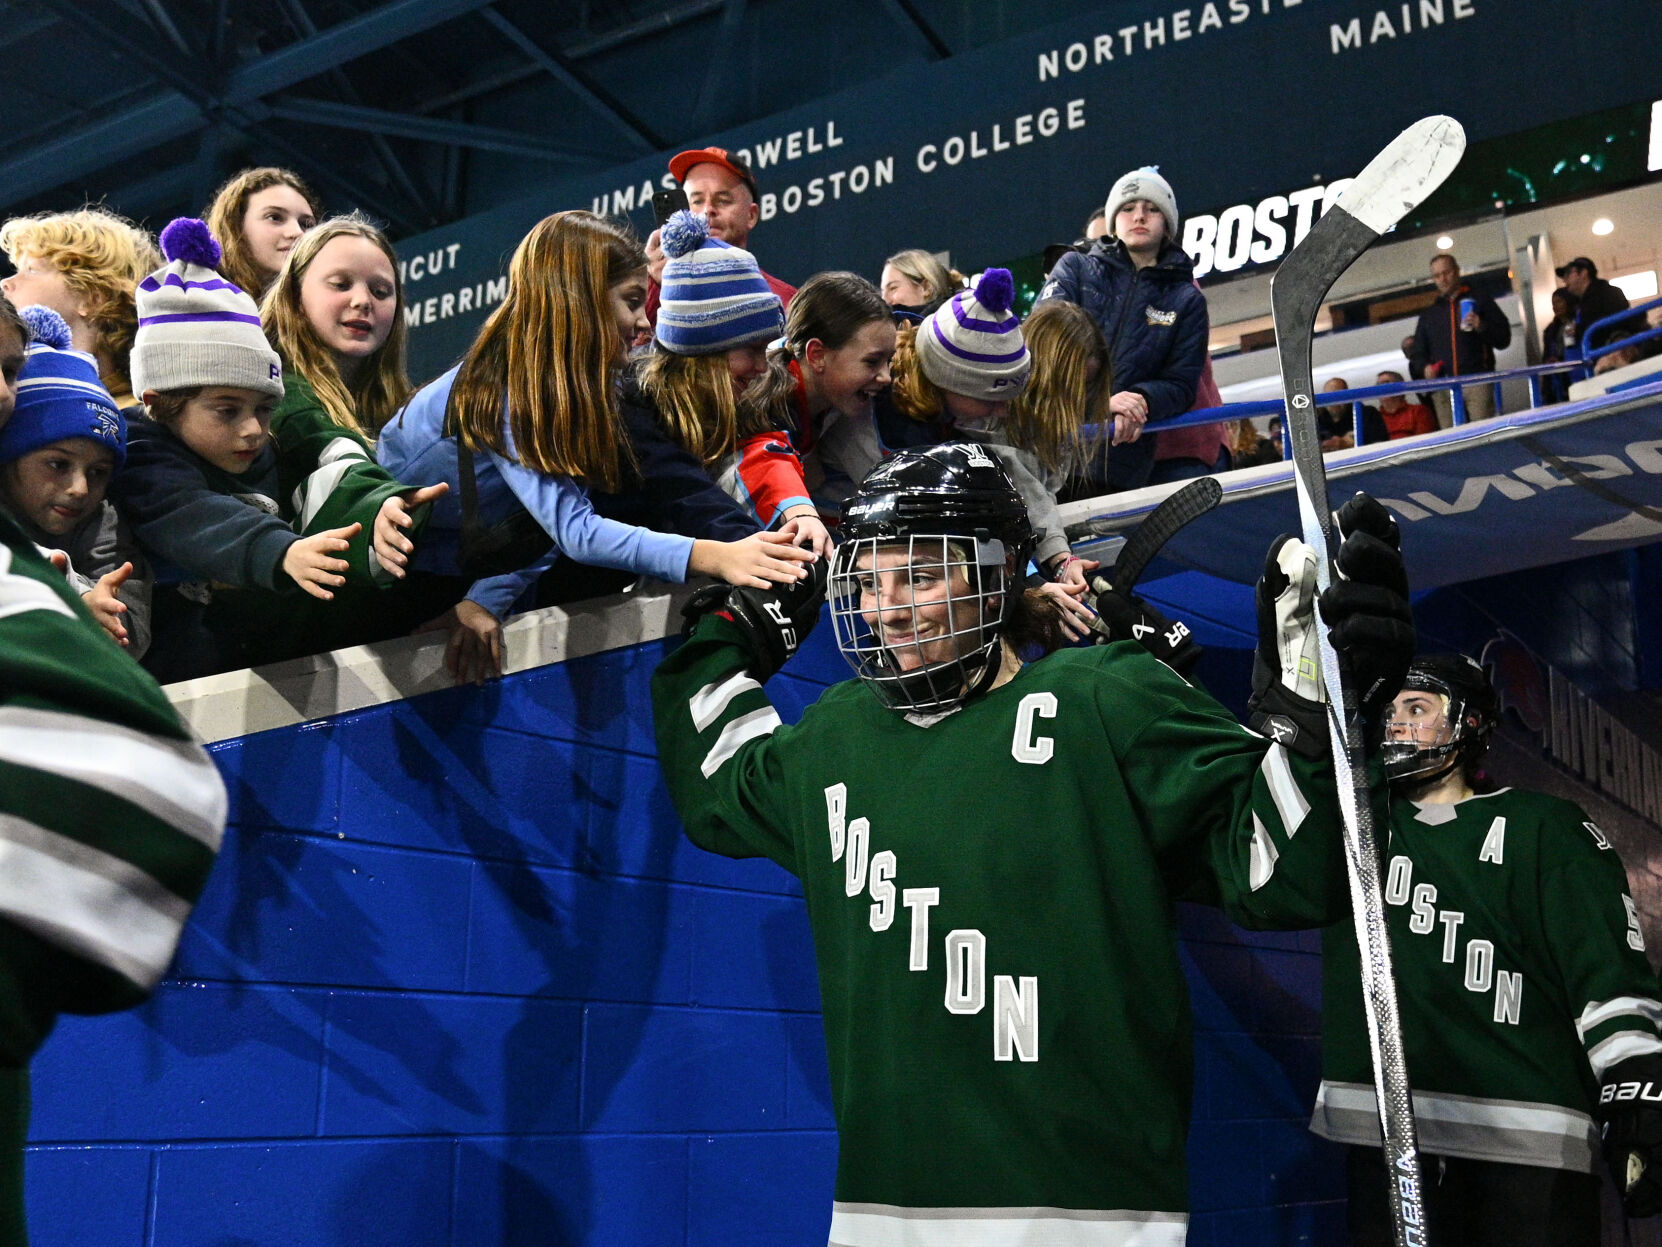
<point x="775" y="621"/>
<point x="1366" y="607"/>
<point x="1630" y="1108"/>
<point x="1288" y="701"/>
<point x="1126" y="617"/>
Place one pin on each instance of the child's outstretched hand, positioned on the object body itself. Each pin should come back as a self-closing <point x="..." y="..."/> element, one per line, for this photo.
<point x="312" y="564"/>
<point x="391" y="545"/>
<point x="106" y="608"/>
<point x="474" y="652"/>
<point x="757" y="561"/>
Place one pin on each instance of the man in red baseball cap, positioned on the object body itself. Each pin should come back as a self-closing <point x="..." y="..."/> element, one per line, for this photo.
<point x="721" y="186"/>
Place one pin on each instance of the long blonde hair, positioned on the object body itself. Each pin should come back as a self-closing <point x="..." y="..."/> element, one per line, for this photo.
<point x="937" y="280"/>
<point x="693" y="396"/>
<point x="225" y="216"/>
<point x="382" y="386"/>
<point x="102" y="257"/>
<point x="1049" y="416"/>
<point x="553" y="350"/>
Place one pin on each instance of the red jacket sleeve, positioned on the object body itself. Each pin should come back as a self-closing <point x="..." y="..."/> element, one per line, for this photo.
<point x="770" y="476"/>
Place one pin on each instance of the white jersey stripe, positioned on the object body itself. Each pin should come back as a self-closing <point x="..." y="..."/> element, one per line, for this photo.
<point x="708" y="703"/>
<point x="1514" y="1132"/>
<point x="1264" y="855"/>
<point x="746" y="727"/>
<point x="1289" y="801"/>
<point x="886" y="1225"/>
<point x="1618" y="1047"/>
<point x="1598" y="1012"/>
<point x="24" y="593"/>
<point x="79" y="898"/>
<point x="172" y="780"/>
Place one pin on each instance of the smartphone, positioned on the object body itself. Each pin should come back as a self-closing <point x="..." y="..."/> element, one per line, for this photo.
<point x="666" y="203"/>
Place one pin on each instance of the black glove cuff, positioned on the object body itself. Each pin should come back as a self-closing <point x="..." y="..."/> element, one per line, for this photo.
<point x="709" y="598"/>
<point x="1296" y="722"/>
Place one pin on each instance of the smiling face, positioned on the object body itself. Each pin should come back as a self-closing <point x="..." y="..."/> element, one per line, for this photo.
<point x="899" y="290"/>
<point x="746" y="363"/>
<point x="849" y="377"/>
<point x="349" y="294"/>
<point x="57" y="486"/>
<point x="919" y="603"/>
<point x="628" y="301"/>
<point x="226" y="426"/>
<point x="274" y="219"/>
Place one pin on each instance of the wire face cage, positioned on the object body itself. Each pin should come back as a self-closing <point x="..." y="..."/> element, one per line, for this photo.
<point x="918" y="617"/>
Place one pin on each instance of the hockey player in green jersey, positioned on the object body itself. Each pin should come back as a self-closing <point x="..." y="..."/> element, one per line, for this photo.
<point x="989" y="850"/>
<point x="110" y="816"/>
<point x="1523" y="989"/>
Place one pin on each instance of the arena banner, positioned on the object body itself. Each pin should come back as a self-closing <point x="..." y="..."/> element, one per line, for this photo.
<point x="992" y="154"/>
<point x="1525" y="490"/>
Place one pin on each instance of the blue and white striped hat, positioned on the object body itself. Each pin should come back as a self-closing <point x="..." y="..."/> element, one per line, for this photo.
<point x="972" y="343"/>
<point x="194" y="327"/>
<point x="714" y="296"/>
<point x="59" y="395"/>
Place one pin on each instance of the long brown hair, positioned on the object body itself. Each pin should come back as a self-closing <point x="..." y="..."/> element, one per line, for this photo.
<point x="225" y="216"/>
<point x="382" y="385"/>
<point x="832" y="307"/>
<point x="102" y="258"/>
<point x="553" y="350"/>
<point x="693" y="396"/>
<point x="1048" y="417"/>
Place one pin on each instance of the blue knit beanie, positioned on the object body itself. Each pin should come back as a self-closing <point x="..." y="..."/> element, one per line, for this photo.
<point x="714" y="296"/>
<point x="59" y="395"/>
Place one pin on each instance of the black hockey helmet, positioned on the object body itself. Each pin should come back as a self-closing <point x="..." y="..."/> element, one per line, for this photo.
<point x="1470" y="712"/>
<point x="949" y="515"/>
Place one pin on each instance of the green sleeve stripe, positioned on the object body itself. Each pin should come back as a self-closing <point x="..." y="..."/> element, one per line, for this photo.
<point x="171" y="780"/>
<point x="95" y="906"/>
<point x="107" y="824"/>
<point x="1290" y="803"/>
<point x="746" y="727"/>
<point x="1619" y="1047"/>
<point x="710" y="701"/>
<point x="1599" y="1012"/>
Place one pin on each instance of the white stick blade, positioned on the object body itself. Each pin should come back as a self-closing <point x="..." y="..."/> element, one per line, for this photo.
<point x="1403" y="176"/>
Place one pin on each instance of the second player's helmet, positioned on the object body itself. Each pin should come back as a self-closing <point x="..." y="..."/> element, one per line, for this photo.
<point x="1470" y="712"/>
<point x="933" y="545"/>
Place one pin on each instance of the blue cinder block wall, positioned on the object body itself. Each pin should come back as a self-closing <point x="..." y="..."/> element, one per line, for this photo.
<point x="459" y="979"/>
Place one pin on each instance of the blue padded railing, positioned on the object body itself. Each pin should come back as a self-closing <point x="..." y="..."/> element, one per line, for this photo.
<point x="1607" y="348"/>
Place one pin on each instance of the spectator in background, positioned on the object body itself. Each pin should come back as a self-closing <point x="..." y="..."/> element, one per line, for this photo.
<point x="256" y="217"/>
<point x="1337" y="422"/>
<point x="721" y="188"/>
<point x="84" y="266"/>
<point x="1558" y="342"/>
<point x="1596" y="299"/>
<point x="915" y="281"/>
<point x="1457" y="336"/>
<point x="1138" y="285"/>
<point x="1253" y="449"/>
<point x="1096" y="225"/>
<point x="1401" y="417"/>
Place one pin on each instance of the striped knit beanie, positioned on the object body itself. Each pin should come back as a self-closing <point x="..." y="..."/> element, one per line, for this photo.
<point x="59" y="395"/>
<point x="972" y="343"/>
<point x="714" y="296"/>
<point x="194" y="327"/>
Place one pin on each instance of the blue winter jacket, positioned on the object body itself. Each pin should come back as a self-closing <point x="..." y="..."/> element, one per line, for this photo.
<point x="1154" y="319"/>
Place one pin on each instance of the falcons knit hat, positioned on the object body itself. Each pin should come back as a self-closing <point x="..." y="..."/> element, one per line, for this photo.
<point x="714" y="296"/>
<point x="194" y="327"/>
<point x="972" y="343"/>
<point x="59" y="395"/>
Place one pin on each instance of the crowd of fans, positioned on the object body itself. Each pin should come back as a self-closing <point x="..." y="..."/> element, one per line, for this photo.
<point x="220" y="442"/>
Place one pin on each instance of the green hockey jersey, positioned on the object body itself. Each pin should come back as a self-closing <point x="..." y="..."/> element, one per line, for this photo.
<point x="991" y="901"/>
<point x="1521" y="978"/>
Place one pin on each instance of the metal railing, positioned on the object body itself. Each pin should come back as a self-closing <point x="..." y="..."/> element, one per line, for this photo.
<point x="1609" y="348"/>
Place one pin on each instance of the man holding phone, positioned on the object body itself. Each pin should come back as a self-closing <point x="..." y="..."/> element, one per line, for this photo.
<point x="1457" y="336"/>
<point x="721" y="186"/>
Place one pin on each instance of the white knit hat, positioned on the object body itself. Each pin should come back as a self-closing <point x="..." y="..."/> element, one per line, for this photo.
<point x="1145" y="183"/>
<point x="194" y="327"/>
<point x="972" y="343"/>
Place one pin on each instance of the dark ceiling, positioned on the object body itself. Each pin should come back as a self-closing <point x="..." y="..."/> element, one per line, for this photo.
<point x="422" y="111"/>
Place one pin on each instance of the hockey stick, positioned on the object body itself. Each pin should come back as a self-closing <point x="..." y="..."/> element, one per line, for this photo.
<point x="1176" y="509"/>
<point x="1395" y="181"/>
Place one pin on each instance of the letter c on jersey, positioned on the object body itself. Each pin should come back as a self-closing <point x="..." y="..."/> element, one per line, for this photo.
<point x="1025" y="747"/>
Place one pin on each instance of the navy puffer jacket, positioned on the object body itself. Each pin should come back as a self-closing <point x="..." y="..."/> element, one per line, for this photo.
<point x="1154" y="319"/>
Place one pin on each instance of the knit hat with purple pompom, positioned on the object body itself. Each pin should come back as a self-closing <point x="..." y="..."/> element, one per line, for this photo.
<point x="194" y="327"/>
<point x="972" y="343"/>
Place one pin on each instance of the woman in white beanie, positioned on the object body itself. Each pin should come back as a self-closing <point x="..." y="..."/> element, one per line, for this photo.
<point x="1138" y="285"/>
